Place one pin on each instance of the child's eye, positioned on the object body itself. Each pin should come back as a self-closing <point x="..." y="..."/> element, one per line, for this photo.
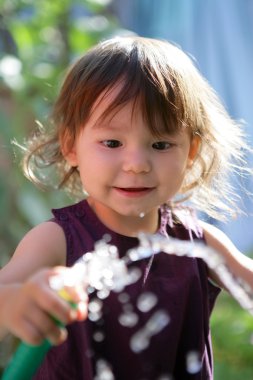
<point x="112" y="143"/>
<point x="161" y="145"/>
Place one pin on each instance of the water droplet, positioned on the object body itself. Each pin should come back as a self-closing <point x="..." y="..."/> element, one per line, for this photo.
<point x="94" y="317"/>
<point x="95" y="310"/>
<point x="193" y="363"/>
<point x="107" y="273"/>
<point x="103" y="293"/>
<point x="123" y="297"/>
<point x="139" y="341"/>
<point x="103" y="370"/>
<point x="128" y="319"/>
<point x="95" y="306"/>
<point x="134" y="275"/>
<point x="107" y="238"/>
<point x="146" y="301"/>
<point x="90" y="289"/>
<point x="98" y="336"/>
<point x="157" y="322"/>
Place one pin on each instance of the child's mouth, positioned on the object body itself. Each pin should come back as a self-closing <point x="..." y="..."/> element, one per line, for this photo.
<point x="134" y="191"/>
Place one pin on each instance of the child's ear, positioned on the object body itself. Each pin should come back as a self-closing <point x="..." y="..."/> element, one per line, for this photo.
<point x="71" y="157"/>
<point x="194" y="148"/>
<point x="68" y="149"/>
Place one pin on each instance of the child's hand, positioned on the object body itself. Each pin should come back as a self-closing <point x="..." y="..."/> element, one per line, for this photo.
<point x="30" y="306"/>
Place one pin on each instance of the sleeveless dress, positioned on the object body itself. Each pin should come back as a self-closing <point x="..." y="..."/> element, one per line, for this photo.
<point x="113" y="346"/>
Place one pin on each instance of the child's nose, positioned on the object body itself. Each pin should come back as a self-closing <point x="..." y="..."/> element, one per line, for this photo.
<point x="137" y="162"/>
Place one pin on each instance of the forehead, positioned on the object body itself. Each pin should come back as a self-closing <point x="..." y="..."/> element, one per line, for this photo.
<point x="107" y="106"/>
<point x="106" y="98"/>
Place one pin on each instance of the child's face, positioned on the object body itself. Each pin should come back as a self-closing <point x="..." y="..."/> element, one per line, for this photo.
<point x="123" y="167"/>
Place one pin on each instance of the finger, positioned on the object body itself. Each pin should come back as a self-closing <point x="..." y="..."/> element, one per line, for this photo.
<point x="28" y="332"/>
<point x="82" y="311"/>
<point x="39" y="325"/>
<point x="64" y="280"/>
<point x="57" y="336"/>
<point x="33" y="335"/>
<point x="50" y="302"/>
<point x="76" y="293"/>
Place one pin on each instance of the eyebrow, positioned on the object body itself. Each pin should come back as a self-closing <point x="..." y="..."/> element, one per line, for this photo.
<point x="99" y="126"/>
<point x="114" y="128"/>
<point x="107" y="123"/>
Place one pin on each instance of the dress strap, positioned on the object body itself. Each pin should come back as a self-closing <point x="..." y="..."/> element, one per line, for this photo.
<point x="179" y="214"/>
<point x="166" y="219"/>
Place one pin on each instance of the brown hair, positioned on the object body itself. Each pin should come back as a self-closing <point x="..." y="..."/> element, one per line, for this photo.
<point x="172" y="94"/>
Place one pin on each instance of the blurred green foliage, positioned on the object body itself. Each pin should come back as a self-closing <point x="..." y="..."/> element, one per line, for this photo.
<point x="38" y="40"/>
<point x="232" y="335"/>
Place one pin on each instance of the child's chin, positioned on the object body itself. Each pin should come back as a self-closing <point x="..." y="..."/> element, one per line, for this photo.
<point x="134" y="214"/>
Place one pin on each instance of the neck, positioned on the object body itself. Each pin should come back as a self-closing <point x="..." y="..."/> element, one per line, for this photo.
<point x="126" y="225"/>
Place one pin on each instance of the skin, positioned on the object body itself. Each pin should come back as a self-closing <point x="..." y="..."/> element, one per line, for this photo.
<point x="26" y="300"/>
<point x="126" y="171"/>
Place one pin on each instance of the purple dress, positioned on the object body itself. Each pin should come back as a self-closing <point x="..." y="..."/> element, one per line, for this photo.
<point x="181" y="350"/>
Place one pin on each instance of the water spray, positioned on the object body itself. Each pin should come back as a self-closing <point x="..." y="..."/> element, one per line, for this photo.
<point x="105" y="271"/>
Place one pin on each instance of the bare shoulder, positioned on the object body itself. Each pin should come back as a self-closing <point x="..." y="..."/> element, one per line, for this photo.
<point x="42" y="246"/>
<point x="217" y="239"/>
<point x="47" y="238"/>
<point x="238" y="263"/>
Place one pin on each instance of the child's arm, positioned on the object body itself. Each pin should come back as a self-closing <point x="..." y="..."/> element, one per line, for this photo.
<point x="27" y="303"/>
<point x="240" y="265"/>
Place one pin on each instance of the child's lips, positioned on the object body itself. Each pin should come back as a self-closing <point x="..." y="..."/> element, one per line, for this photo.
<point x="134" y="191"/>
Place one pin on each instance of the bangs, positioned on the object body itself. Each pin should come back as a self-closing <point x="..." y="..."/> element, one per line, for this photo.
<point x="158" y="108"/>
<point x="143" y="78"/>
